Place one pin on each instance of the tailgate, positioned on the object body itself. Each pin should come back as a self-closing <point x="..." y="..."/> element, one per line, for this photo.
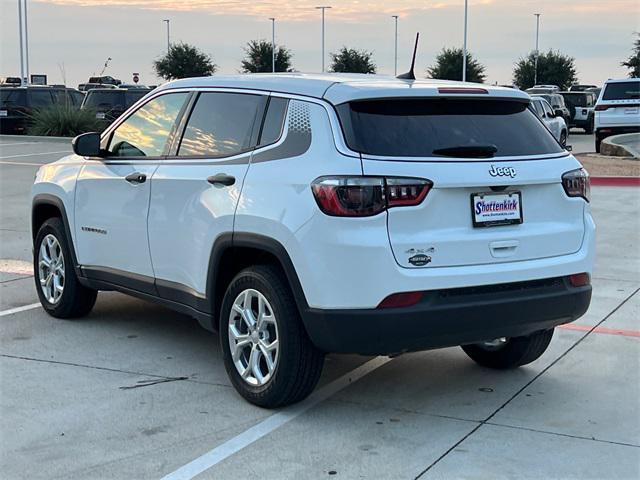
<point x="442" y="226"/>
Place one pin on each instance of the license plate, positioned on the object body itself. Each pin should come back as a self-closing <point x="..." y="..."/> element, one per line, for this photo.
<point x="3" y="113"/>
<point x="631" y="111"/>
<point x="101" y="116"/>
<point x="493" y="209"/>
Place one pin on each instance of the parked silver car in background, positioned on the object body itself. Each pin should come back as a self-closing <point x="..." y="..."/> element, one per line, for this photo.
<point x="555" y="123"/>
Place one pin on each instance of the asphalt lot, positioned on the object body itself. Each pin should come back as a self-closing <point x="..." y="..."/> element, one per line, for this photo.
<point x="136" y="391"/>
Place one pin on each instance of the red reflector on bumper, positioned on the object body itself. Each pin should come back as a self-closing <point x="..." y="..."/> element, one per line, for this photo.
<point x="579" y="279"/>
<point x="405" y="299"/>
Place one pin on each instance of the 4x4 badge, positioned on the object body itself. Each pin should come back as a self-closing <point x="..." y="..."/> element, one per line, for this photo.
<point x="420" y="260"/>
<point x="502" y="171"/>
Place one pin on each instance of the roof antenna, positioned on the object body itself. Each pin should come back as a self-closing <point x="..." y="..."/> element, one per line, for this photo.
<point x="410" y="75"/>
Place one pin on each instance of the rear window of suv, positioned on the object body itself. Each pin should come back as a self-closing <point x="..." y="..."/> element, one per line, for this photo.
<point x="418" y="127"/>
<point x="102" y="98"/>
<point x="622" y="91"/>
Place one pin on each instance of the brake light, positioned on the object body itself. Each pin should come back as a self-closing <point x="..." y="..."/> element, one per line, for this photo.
<point x="579" y="279"/>
<point x="405" y="299"/>
<point x="576" y="183"/>
<point x="462" y="90"/>
<point x="341" y="196"/>
<point x="601" y="108"/>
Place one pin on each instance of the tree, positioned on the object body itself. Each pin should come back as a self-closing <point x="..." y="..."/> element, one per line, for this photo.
<point x="554" y="68"/>
<point x="633" y="63"/>
<point x="352" y="61"/>
<point x="184" y="61"/>
<point x="448" y="66"/>
<point x="259" y="57"/>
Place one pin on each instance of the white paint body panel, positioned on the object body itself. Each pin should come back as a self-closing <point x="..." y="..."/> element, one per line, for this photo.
<point x="187" y="214"/>
<point x="106" y="201"/>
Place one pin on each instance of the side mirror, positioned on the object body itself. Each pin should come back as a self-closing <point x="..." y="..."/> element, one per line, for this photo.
<point x="558" y="113"/>
<point x="87" y="144"/>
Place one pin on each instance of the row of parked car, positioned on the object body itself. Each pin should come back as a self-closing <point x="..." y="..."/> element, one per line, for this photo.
<point x="18" y="103"/>
<point x="611" y="110"/>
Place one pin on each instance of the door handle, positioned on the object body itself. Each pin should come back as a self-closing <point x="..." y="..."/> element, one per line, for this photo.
<point x="222" y="179"/>
<point x="136" y="178"/>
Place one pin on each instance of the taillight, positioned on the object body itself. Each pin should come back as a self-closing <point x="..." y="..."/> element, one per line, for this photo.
<point x="579" y="279"/>
<point x="341" y="196"/>
<point x="576" y="184"/>
<point x="601" y="108"/>
<point x="404" y="299"/>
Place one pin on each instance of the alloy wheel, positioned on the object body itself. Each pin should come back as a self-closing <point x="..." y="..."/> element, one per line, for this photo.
<point x="51" y="269"/>
<point x="253" y="337"/>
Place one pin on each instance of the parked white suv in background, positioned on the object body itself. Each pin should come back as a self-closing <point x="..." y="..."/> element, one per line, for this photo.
<point x="617" y="109"/>
<point x="552" y="120"/>
<point x="303" y="214"/>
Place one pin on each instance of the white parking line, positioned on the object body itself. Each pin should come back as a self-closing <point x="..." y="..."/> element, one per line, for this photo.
<point x="33" y="154"/>
<point x="20" y="143"/>
<point x="22" y="163"/>
<point x="24" y="308"/>
<point x="272" y="423"/>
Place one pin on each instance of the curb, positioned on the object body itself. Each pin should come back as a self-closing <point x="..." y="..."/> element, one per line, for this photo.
<point x="33" y="138"/>
<point x="615" y="181"/>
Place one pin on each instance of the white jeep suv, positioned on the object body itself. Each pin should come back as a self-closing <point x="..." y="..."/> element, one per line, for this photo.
<point x="304" y="214"/>
<point x="617" y="109"/>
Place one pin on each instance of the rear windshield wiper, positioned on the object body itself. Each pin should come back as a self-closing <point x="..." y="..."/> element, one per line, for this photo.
<point x="473" y="151"/>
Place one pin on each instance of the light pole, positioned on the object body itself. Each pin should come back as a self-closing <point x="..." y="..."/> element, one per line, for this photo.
<point x="273" y="44"/>
<point x="24" y="42"/>
<point x="166" y="20"/>
<point x="323" y="9"/>
<point x="464" y="43"/>
<point x="535" y="67"/>
<point x="395" y="47"/>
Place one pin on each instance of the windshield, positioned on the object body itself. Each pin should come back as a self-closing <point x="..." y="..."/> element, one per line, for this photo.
<point x="105" y="99"/>
<point x="428" y="127"/>
<point x="12" y="97"/>
<point x="622" y="91"/>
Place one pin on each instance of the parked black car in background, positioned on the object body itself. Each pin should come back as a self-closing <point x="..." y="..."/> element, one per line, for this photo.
<point x="110" y="103"/>
<point x="18" y="104"/>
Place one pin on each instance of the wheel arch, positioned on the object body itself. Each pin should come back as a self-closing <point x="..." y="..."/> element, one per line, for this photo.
<point x="45" y="206"/>
<point x="233" y="252"/>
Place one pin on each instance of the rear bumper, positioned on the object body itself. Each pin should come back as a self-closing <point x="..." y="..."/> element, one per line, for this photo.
<point x="605" y="131"/>
<point x="450" y="317"/>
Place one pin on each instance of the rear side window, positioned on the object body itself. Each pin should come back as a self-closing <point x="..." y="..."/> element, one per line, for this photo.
<point x="273" y="120"/>
<point x="105" y="99"/>
<point x="418" y="127"/>
<point x="40" y="98"/>
<point x="13" y="97"/>
<point x="221" y="124"/>
<point x="622" y="91"/>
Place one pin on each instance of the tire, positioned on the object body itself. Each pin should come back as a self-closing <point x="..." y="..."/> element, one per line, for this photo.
<point x="515" y="352"/>
<point x="75" y="300"/>
<point x="590" y="126"/>
<point x="297" y="362"/>
<point x="563" y="138"/>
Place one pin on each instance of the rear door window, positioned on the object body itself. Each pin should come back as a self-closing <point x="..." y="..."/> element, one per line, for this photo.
<point x="622" y="91"/>
<point x="418" y="127"/>
<point x="222" y="124"/>
<point x="273" y="121"/>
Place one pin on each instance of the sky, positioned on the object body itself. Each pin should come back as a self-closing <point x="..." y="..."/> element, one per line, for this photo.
<point x="69" y="40"/>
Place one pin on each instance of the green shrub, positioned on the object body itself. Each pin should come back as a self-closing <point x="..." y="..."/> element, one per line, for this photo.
<point x="63" y="121"/>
